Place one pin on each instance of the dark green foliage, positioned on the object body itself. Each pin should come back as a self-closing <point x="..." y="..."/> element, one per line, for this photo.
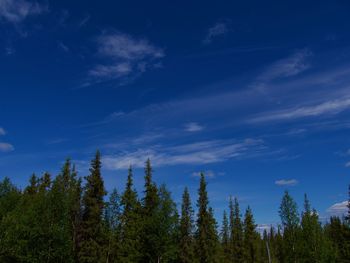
<point x="55" y="219"/>
<point x="236" y="229"/>
<point x="225" y="239"/>
<point x="131" y="224"/>
<point x="290" y="222"/>
<point x="206" y="235"/>
<point x="186" y="253"/>
<point x="92" y="235"/>
<point x="251" y="238"/>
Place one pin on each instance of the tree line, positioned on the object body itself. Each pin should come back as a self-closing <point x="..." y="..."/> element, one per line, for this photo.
<point x="72" y="219"/>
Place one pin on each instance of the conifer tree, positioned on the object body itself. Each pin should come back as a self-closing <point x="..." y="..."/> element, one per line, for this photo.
<point x="130" y="243"/>
<point x="168" y="228"/>
<point x="206" y="236"/>
<point x="290" y="222"/>
<point x="250" y="238"/>
<point x="186" y="229"/>
<point x="93" y="239"/>
<point x="112" y="226"/>
<point x="236" y="229"/>
<point x="150" y="216"/>
<point x="225" y="238"/>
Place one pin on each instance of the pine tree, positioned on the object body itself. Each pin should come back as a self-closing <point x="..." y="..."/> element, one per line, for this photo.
<point x="290" y="222"/>
<point x="250" y="238"/>
<point x="168" y="234"/>
<point x="206" y="236"/>
<point x="225" y="238"/>
<point x="150" y="216"/>
<point x="93" y="238"/>
<point x="130" y="242"/>
<point x="186" y="229"/>
<point x="236" y="229"/>
<point x="112" y="226"/>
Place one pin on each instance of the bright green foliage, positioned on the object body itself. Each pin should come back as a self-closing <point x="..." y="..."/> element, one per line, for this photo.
<point x="92" y="235"/>
<point x="206" y="235"/>
<point x="186" y="253"/>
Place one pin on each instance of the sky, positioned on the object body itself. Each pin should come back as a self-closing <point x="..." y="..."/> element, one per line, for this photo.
<point x="255" y="94"/>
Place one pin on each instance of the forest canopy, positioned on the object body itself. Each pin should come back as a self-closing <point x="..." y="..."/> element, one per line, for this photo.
<point x="68" y="218"/>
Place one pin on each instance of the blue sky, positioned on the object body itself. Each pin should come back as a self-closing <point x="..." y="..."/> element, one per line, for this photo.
<point x="255" y="94"/>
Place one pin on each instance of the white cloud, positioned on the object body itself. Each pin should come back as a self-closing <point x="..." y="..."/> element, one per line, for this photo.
<point x="195" y="153"/>
<point x="2" y="131"/>
<point x="338" y="209"/>
<point x="284" y="182"/>
<point x="325" y="108"/>
<point x="6" y="147"/>
<point x="193" y="127"/>
<point x="290" y="66"/>
<point x="126" y="56"/>
<point x="347" y="164"/>
<point x="62" y="46"/>
<point x="219" y="29"/>
<point x="15" y="11"/>
<point x="208" y="174"/>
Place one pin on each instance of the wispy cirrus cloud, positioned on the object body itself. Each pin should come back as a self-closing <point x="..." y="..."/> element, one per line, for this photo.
<point x="286" y="182"/>
<point x="203" y="152"/>
<point x="124" y="56"/>
<point x="338" y="209"/>
<point x="16" y="11"/>
<point x="2" y="131"/>
<point x="6" y="147"/>
<point x="287" y="67"/>
<point x="324" y="108"/>
<point x="217" y="30"/>
<point x="193" y="127"/>
<point x="208" y="174"/>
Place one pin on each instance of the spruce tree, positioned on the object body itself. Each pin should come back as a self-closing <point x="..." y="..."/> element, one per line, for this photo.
<point x="206" y="236"/>
<point x="225" y="238"/>
<point x="290" y="221"/>
<point x="93" y="239"/>
<point x="250" y="238"/>
<point x="150" y="217"/>
<point x="186" y="253"/>
<point x="236" y="229"/>
<point x="130" y="242"/>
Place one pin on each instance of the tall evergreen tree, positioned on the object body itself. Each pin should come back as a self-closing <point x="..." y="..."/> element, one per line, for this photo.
<point x="290" y="221"/>
<point x="150" y="218"/>
<point x="236" y="229"/>
<point x="93" y="238"/>
<point x="130" y="242"/>
<point x="251" y="238"/>
<point x="112" y="227"/>
<point x="206" y="236"/>
<point x="225" y="238"/>
<point x="186" y="253"/>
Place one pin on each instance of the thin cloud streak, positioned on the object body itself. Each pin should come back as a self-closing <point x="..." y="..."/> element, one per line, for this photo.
<point x="325" y="108"/>
<point x="204" y="152"/>
<point x="15" y="11"/>
<point x="284" y="182"/>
